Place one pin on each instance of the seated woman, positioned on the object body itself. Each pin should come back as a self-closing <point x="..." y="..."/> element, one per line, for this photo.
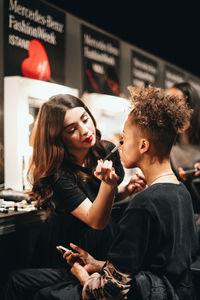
<point x="66" y="148"/>
<point x="157" y="239"/>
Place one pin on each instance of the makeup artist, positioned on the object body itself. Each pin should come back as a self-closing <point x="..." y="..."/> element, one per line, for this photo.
<point x="67" y="147"/>
<point x="67" y="154"/>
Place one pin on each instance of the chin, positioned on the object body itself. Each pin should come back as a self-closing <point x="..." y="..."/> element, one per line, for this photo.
<point x="93" y="141"/>
<point x="125" y="164"/>
<point x="128" y="165"/>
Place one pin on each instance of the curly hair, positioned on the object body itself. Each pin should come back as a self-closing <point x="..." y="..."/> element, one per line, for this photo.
<point x="159" y="116"/>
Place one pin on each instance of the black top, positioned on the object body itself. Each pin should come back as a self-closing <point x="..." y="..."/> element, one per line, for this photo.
<point x="69" y="192"/>
<point x="157" y="233"/>
<point x="63" y="228"/>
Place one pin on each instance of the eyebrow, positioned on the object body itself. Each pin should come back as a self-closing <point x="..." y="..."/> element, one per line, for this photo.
<point x="73" y="124"/>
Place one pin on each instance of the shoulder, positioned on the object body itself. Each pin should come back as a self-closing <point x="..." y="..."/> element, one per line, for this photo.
<point x="66" y="180"/>
<point x="141" y="200"/>
<point x="160" y="195"/>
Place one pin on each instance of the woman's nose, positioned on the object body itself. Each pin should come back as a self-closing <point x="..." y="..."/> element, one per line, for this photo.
<point x="84" y="129"/>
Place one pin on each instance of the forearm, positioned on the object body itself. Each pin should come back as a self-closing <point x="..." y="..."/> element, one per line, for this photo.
<point x="100" y="210"/>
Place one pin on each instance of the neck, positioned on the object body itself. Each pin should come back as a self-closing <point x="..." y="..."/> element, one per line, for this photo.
<point x="158" y="171"/>
<point x="81" y="156"/>
<point x="185" y="137"/>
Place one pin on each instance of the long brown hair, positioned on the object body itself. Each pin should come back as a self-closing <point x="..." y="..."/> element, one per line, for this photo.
<point x="48" y="148"/>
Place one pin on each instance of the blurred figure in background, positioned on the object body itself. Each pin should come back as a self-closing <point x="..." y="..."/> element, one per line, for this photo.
<point x="186" y="152"/>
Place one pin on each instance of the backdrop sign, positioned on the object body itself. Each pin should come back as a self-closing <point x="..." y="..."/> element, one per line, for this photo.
<point x="34" y="35"/>
<point x="101" y="56"/>
<point x="172" y="76"/>
<point x="144" y="70"/>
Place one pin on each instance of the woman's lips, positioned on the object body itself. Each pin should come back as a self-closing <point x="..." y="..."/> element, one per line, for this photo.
<point x="88" y="139"/>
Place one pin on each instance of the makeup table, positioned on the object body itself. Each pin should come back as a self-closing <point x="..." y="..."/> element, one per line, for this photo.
<point x="18" y="236"/>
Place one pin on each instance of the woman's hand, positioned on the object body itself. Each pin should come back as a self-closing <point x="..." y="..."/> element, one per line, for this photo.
<point x="88" y="262"/>
<point x="197" y="166"/>
<point x="105" y="172"/>
<point x="185" y="176"/>
<point x="80" y="273"/>
<point x="136" y="184"/>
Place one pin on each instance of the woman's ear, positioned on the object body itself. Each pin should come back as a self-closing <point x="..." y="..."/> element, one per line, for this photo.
<point x="144" y="145"/>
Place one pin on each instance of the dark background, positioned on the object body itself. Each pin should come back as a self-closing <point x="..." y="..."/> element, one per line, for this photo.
<point x="169" y="30"/>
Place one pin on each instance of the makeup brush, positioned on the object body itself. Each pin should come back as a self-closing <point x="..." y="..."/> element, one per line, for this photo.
<point x="113" y="150"/>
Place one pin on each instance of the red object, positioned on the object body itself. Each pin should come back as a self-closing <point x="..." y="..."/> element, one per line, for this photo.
<point x="88" y="139"/>
<point x="36" y="65"/>
<point x="114" y="86"/>
<point x="91" y="79"/>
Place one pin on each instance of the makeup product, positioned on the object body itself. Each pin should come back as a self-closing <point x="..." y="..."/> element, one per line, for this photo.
<point x="113" y="150"/>
<point x="3" y="210"/>
<point x="63" y="250"/>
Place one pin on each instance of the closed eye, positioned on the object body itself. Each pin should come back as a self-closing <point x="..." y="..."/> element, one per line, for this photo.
<point x="71" y="131"/>
<point x="85" y="120"/>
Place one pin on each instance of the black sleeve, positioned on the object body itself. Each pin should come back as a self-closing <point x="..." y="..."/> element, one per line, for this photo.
<point x="128" y="250"/>
<point x="67" y="194"/>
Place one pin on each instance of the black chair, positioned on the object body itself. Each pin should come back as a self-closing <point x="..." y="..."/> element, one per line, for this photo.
<point x="195" y="186"/>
